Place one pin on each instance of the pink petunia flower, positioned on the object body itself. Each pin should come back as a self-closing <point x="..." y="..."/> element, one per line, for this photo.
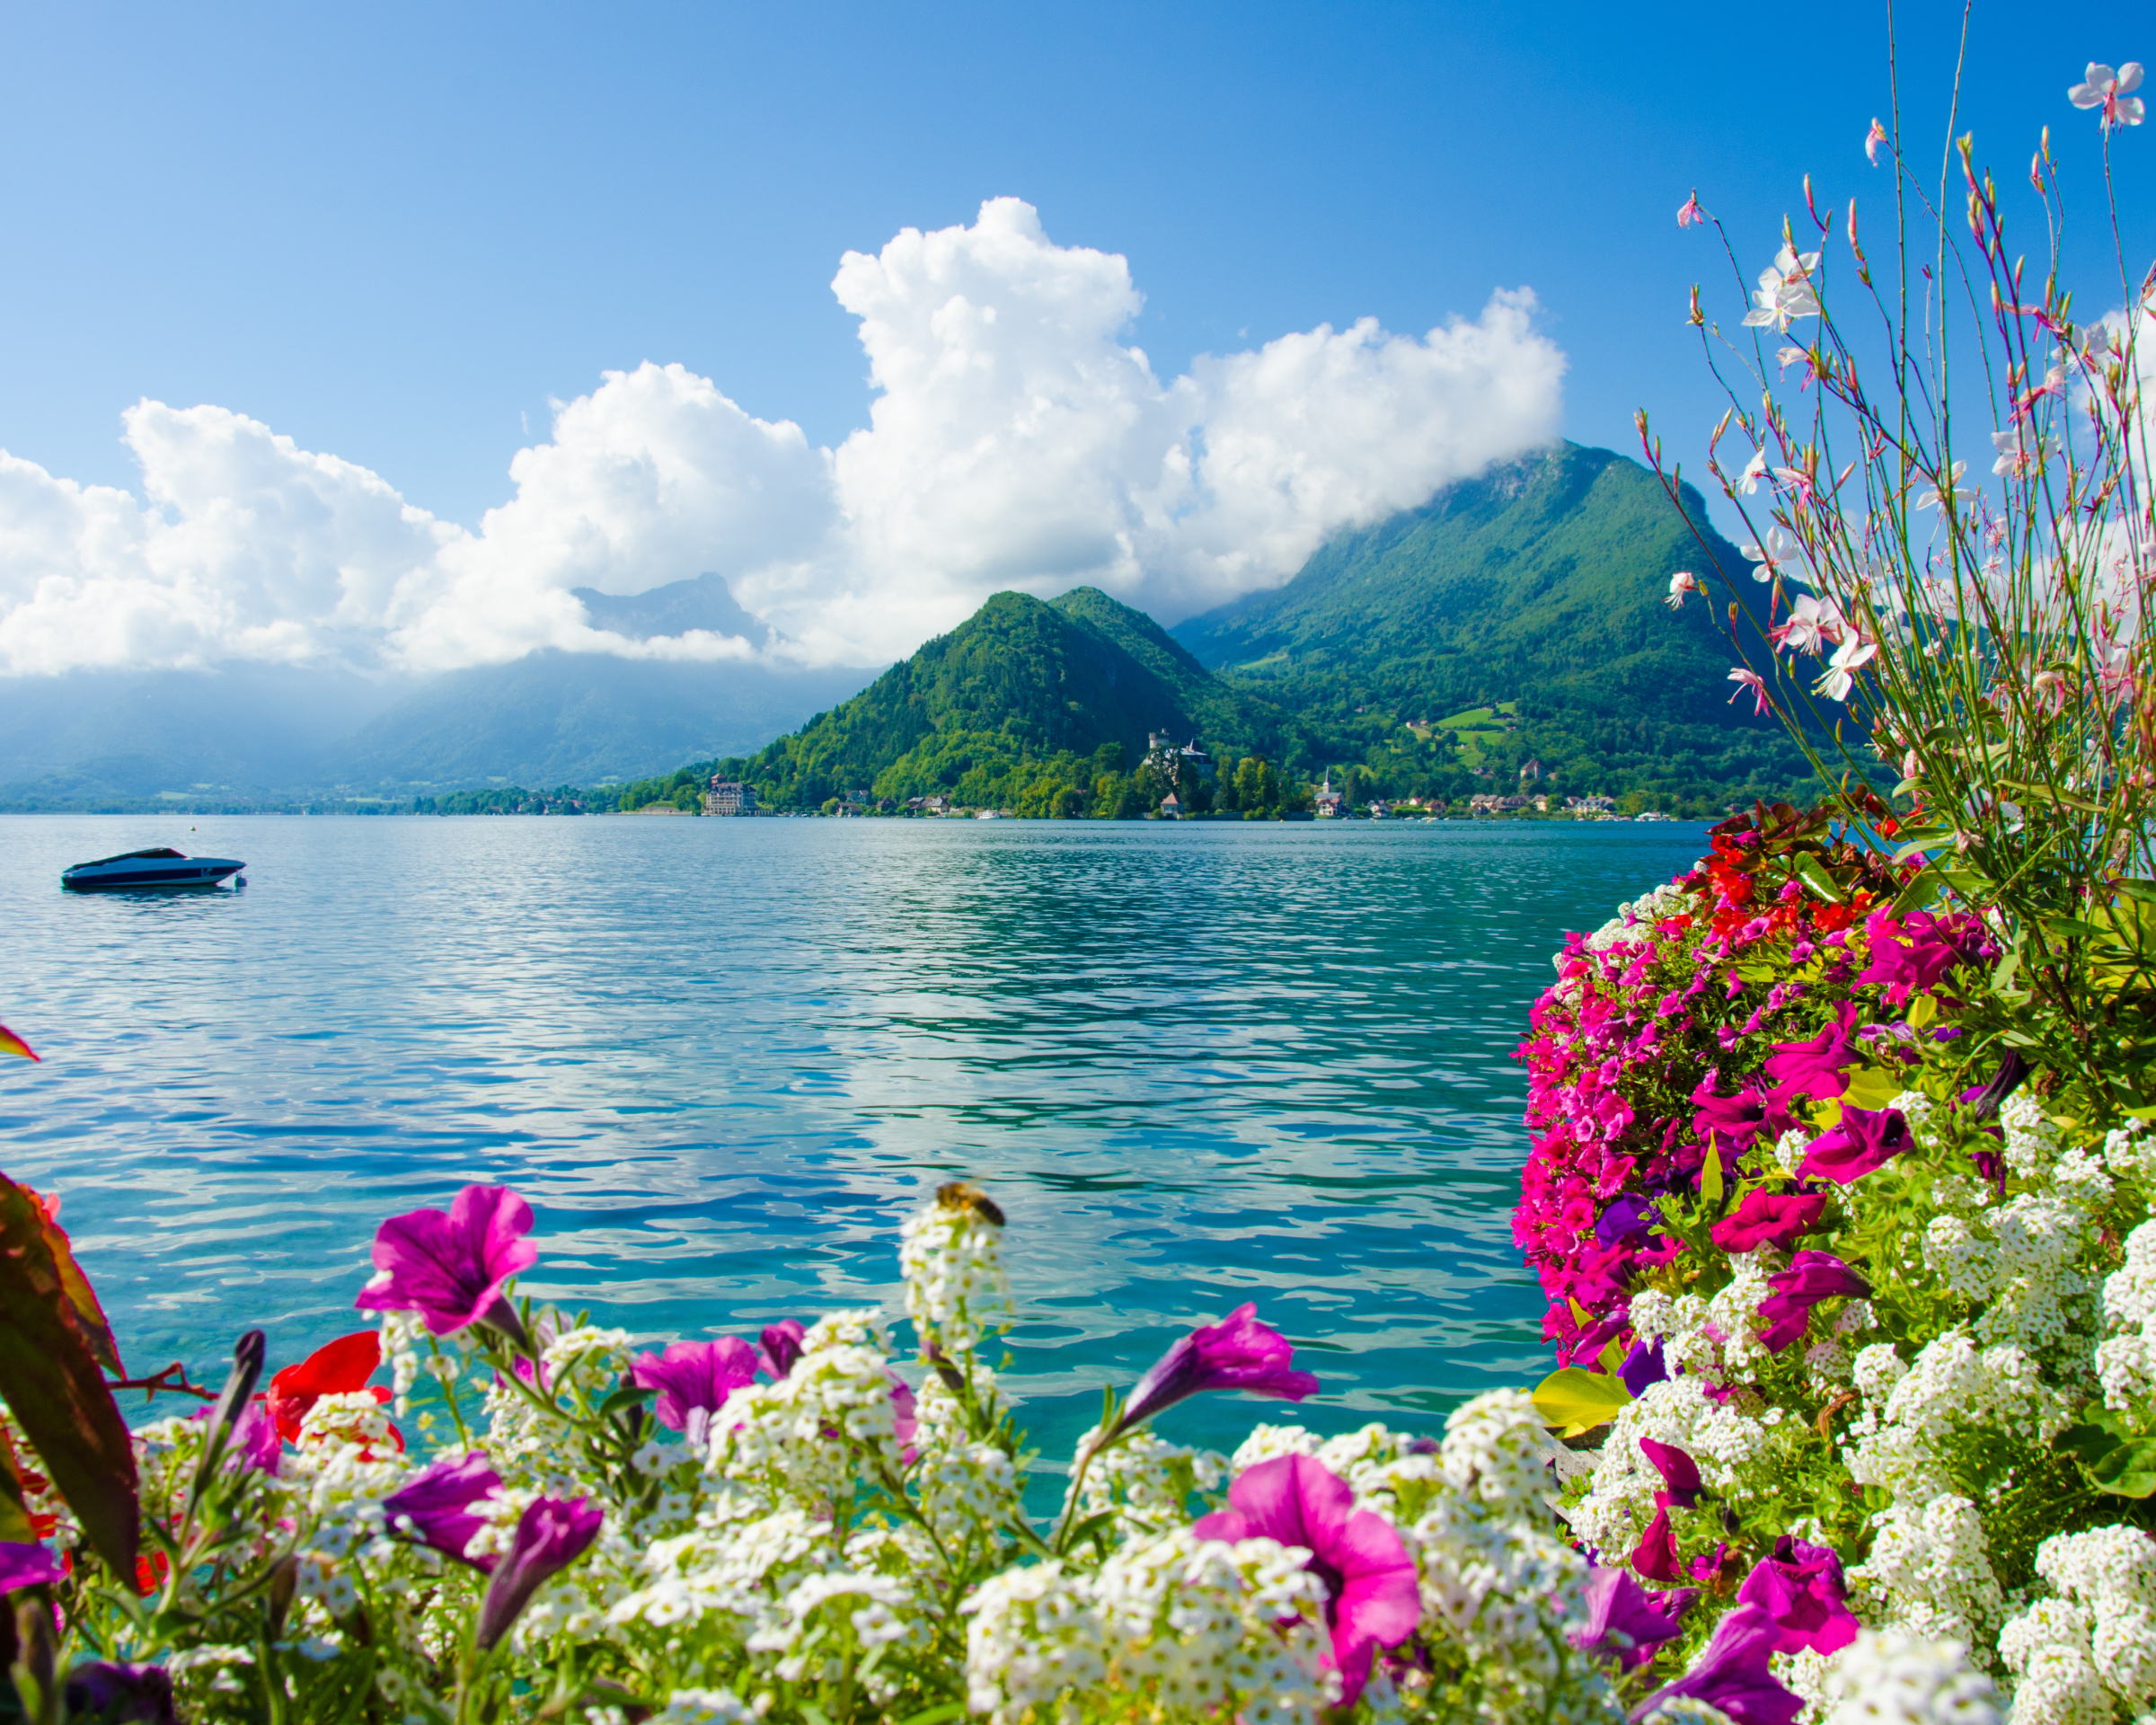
<point x="450" y="1267"/>
<point x="1239" y="1353"/>
<point x="1799" y="1585"/>
<point x="1374" y="1599"/>
<point x="694" y="1379"/>
<point x="2108" y="90"/>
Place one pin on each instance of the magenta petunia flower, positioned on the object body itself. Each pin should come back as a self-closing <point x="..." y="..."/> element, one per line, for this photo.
<point x="1862" y="1142"/>
<point x="782" y="1348"/>
<point x="450" y="1267"/>
<point x="1628" y="1621"/>
<point x="1373" y="1599"/>
<point x="1733" y="1675"/>
<point x="1240" y="1353"/>
<point x="1814" y="1069"/>
<point x="120" y="1694"/>
<point x="552" y="1534"/>
<point x="1656" y="1555"/>
<point x="1915" y="956"/>
<point x="1680" y="1473"/>
<point x="1764" y="1218"/>
<point x="434" y="1505"/>
<point x="1812" y="1277"/>
<point x="694" y="1379"/>
<point x="1799" y="1585"/>
<point x="1733" y="1122"/>
<point x="23" y="1565"/>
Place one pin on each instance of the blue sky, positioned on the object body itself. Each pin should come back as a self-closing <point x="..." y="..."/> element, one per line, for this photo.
<point x="396" y="233"/>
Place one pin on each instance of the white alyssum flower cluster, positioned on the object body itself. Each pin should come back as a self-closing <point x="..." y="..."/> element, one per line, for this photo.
<point x="2089" y="1653"/>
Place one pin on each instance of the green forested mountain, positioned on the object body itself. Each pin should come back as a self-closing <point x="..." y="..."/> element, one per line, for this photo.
<point x="1043" y="707"/>
<point x="1510" y="636"/>
<point x="1540" y="587"/>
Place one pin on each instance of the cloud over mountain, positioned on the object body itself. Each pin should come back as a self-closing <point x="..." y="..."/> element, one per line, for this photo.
<point x="1016" y="441"/>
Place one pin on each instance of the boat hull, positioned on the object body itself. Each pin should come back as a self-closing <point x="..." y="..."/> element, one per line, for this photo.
<point x="191" y="875"/>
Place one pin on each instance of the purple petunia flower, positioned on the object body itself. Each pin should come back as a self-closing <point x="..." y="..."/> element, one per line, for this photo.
<point x="1814" y="1069"/>
<point x="23" y="1565"/>
<point x="450" y="1267"/>
<point x="694" y="1379"/>
<point x="552" y="1534"/>
<point x="1643" y="1367"/>
<point x="1630" y="1219"/>
<point x="111" y="1694"/>
<point x="1374" y="1600"/>
<point x="1239" y="1353"/>
<point x="782" y="1348"/>
<point x="1862" y="1142"/>
<point x="1627" y="1620"/>
<point x="1733" y="1675"/>
<point x="1812" y="1277"/>
<point x="1764" y="1218"/>
<point x="438" y="1502"/>
<point x="1799" y="1585"/>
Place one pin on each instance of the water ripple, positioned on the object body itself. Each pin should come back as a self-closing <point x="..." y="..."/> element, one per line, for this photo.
<point x="1196" y="1065"/>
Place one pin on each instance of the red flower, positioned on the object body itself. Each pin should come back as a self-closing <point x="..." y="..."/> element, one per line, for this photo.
<point x="341" y="1367"/>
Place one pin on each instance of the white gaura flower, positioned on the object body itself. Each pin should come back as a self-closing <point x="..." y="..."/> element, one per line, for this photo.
<point x="1746" y="678"/>
<point x="2108" y="90"/>
<point x="1951" y="485"/>
<point x="1785" y="290"/>
<point x="2020" y="453"/>
<point x="1814" y="622"/>
<point x="1754" y="471"/>
<point x="1876" y="136"/>
<point x="1780" y="547"/>
<point x="1851" y="656"/>
<point x="1682" y="582"/>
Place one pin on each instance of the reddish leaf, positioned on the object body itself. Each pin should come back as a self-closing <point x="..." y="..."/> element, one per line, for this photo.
<point x="49" y="1377"/>
<point x="97" y="1330"/>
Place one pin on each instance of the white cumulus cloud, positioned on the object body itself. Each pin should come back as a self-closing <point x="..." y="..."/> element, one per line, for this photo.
<point x="1016" y="440"/>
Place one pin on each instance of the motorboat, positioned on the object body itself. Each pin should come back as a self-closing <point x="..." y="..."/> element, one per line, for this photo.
<point x="143" y="871"/>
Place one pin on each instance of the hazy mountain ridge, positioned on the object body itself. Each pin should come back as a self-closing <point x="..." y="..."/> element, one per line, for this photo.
<point x="254" y="735"/>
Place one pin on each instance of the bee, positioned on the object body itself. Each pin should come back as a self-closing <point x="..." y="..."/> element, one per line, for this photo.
<point x="964" y="1195"/>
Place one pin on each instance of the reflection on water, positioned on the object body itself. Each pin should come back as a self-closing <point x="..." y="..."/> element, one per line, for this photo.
<point x="1195" y="1065"/>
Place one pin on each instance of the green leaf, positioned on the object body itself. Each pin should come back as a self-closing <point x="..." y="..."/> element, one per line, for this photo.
<point x="937" y="1715"/>
<point x="1872" y="1087"/>
<point x="1711" y="1174"/>
<point x="50" y="1379"/>
<point x="2128" y="1471"/>
<point x="1577" y="1400"/>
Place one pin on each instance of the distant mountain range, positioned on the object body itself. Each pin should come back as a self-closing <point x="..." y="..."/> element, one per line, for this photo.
<point x="1512" y="631"/>
<point x="251" y="735"/>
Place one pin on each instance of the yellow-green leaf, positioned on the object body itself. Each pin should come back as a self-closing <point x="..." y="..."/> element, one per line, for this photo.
<point x="1575" y="1400"/>
<point x="1872" y="1087"/>
<point x="1710" y="1174"/>
<point x="1922" y="1011"/>
<point x="1613" y="1354"/>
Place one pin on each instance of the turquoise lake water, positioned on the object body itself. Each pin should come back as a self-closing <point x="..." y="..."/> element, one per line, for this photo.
<point x="1196" y="1064"/>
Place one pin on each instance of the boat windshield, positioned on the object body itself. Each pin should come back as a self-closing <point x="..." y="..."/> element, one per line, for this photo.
<point x="161" y="851"/>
